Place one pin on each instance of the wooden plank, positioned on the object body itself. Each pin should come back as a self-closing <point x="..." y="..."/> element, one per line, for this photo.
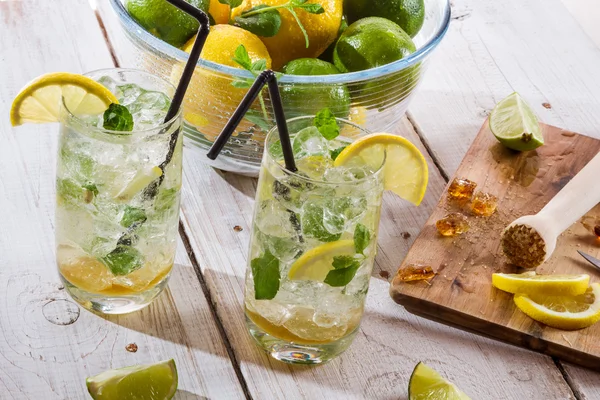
<point x="391" y="342"/>
<point x="587" y="14"/>
<point x="48" y="345"/>
<point x="462" y="293"/>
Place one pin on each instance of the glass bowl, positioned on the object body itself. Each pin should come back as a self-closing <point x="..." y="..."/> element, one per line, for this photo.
<point x="378" y="97"/>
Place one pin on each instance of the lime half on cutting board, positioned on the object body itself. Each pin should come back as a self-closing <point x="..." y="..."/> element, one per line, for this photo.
<point x="515" y="125"/>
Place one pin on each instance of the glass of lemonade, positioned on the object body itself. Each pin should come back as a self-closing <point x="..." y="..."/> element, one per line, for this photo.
<point x="118" y="196"/>
<point x="314" y="240"/>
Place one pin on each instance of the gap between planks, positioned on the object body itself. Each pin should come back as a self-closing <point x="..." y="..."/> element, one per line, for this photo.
<point x="188" y="248"/>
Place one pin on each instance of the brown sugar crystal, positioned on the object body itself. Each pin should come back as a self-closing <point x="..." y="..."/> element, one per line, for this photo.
<point x="484" y="204"/>
<point x="461" y="189"/>
<point x="452" y="224"/>
<point x="415" y="272"/>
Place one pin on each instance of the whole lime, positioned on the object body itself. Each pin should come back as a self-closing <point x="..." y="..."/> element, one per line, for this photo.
<point x="308" y="99"/>
<point x="408" y="14"/>
<point x="369" y="43"/>
<point x="166" y="21"/>
<point x="372" y="42"/>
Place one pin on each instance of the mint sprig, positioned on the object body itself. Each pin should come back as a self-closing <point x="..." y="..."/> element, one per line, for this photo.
<point x="265" y="270"/>
<point x="345" y="268"/>
<point x="118" y="118"/>
<point x="362" y="238"/>
<point x="327" y="124"/>
<point x="265" y="20"/>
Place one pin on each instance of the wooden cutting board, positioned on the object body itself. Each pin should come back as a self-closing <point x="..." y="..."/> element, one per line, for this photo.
<point x="461" y="294"/>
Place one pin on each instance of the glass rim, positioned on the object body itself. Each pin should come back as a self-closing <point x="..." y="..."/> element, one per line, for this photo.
<point x="271" y="159"/>
<point x="156" y="130"/>
<point x="134" y="29"/>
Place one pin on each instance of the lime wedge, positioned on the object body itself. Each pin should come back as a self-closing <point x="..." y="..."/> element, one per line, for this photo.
<point x="148" y="382"/>
<point x="515" y="125"/>
<point x="426" y="384"/>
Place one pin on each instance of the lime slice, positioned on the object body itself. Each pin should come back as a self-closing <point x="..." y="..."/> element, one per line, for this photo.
<point x="406" y="172"/>
<point x="426" y="384"/>
<point x="515" y="125"/>
<point x="563" y="312"/>
<point x="139" y="182"/>
<point x="39" y="101"/>
<point x="314" y="265"/>
<point x="532" y="284"/>
<point x="148" y="382"/>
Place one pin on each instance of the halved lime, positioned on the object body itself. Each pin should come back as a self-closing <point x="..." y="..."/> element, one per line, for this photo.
<point x="515" y="125"/>
<point x="149" y="382"/>
<point x="426" y="384"/>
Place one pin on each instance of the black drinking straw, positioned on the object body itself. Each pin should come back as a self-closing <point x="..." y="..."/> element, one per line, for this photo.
<point x="183" y="84"/>
<point x="265" y="77"/>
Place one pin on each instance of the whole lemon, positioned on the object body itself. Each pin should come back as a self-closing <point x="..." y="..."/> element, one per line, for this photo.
<point x="211" y="99"/>
<point x="219" y="12"/>
<point x="289" y="43"/>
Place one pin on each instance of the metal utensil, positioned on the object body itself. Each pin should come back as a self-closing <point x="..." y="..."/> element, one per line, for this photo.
<point x="593" y="260"/>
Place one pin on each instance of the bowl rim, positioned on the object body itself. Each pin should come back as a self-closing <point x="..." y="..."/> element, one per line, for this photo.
<point x="132" y="27"/>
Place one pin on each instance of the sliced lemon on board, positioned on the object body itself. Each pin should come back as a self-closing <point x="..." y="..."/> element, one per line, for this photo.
<point x="149" y="382"/>
<point x="39" y="101"/>
<point x="314" y="265"/>
<point x="515" y="125"/>
<point x="532" y="284"/>
<point x="427" y="384"/>
<point x="563" y="312"/>
<point x="405" y="170"/>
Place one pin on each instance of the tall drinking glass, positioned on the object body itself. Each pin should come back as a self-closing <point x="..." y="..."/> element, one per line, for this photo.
<point x="118" y="196"/>
<point x="314" y="239"/>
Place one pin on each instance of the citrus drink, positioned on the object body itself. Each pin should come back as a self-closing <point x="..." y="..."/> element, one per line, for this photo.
<point x="117" y="198"/>
<point x="314" y="240"/>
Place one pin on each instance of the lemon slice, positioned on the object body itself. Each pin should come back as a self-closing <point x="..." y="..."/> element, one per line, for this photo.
<point x="405" y="173"/>
<point x="426" y="384"/>
<point x="563" y="312"/>
<point x="515" y="125"/>
<point x="139" y="182"/>
<point x="532" y="284"/>
<point x="155" y="381"/>
<point x="314" y="265"/>
<point x="39" y="101"/>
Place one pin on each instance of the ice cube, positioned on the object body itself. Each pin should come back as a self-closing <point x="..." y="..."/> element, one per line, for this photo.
<point x="339" y="213"/>
<point x="309" y="142"/>
<point x="313" y="225"/>
<point x="128" y="93"/>
<point x="110" y="84"/>
<point x="275" y="220"/>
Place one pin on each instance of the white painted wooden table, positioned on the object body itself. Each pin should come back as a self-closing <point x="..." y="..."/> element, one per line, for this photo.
<point x="547" y="50"/>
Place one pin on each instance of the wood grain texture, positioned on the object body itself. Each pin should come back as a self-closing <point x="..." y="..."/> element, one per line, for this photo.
<point x="462" y="292"/>
<point x="587" y="14"/>
<point x="48" y="344"/>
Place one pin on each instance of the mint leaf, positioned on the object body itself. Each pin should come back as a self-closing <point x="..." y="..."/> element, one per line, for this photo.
<point x="265" y="270"/>
<point x="133" y="215"/>
<point x="69" y="191"/>
<point x="362" y="237"/>
<point x="342" y="276"/>
<point x="341" y="262"/>
<point x="312" y="8"/>
<point x="90" y="192"/>
<point x="241" y="83"/>
<point x="257" y="118"/>
<point x="232" y="3"/>
<point x="123" y="260"/>
<point x="262" y="23"/>
<point x="326" y="124"/>
<point x="335" y="153"/>
<point x="118" y="118"/>
<point x="165" y="199"/>
<point x="260" y="65"/>
<point x="241" y="57"/>
<point x="313" y="225"/>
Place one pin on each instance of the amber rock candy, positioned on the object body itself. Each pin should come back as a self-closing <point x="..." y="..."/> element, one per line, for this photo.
<point x="484" y="204"/>
<point x="461" y="189"/>
<point x="415" y="272"/>
<point x="452" y="224"/>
